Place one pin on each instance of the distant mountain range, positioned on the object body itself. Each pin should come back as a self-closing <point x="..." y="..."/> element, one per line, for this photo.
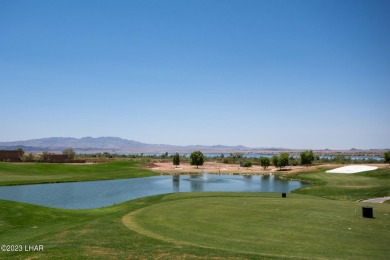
<point x="117" y="145"/>
<point x="124" y="146"/>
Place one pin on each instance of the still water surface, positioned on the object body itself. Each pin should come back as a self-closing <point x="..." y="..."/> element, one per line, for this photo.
<point x="95" y="194"/>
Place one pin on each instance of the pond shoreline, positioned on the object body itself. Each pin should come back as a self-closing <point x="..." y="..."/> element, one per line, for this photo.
<point x="97" y="194"/>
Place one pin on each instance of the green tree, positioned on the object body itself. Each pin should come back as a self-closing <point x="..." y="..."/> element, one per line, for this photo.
<point x="106" y="155"/>
<point x="265" y="162"/>
<point x="69" y="152"/>
<point x="275" y="161"/>
<point x="293" y="161"/>
<point x="21" y="152"/>
<point x="387" y="156"/>
<point x="176" y="160"/>
<point x="307" y="157"/>
<point x="197" y="158"/>
<point x="283" y="160"/>
<point x="236" y="156"/>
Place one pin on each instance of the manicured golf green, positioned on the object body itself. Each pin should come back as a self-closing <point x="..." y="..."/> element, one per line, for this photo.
<point x="200" y="225"/>
<point x="33" y="173"/>
<point x="267" y="225"/>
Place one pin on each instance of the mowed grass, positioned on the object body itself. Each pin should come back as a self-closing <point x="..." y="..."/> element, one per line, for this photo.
<point x="200" y="226"/>
<point x="89" y="234"/>
<point x="354" y="187"/>
<point x="32" y="173"/>
<point x="268" y="225"/>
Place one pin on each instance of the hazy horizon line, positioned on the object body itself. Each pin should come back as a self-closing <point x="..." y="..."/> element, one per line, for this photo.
<point x="213" y="145"/>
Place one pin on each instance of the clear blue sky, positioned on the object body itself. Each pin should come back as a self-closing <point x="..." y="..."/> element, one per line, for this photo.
<point x="297" y="74"/>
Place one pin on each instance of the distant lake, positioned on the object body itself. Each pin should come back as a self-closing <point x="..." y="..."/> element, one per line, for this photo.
<point x="96" y="194"/>
<point x="355" y="157"/>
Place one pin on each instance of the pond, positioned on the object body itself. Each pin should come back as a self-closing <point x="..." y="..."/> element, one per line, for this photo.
<point x="96" y="194"/>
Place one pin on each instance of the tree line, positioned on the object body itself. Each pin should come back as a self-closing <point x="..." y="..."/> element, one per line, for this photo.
<point x="43" y="156"/>
<point x="307" y="157"/>
<point x="197" y="158"/>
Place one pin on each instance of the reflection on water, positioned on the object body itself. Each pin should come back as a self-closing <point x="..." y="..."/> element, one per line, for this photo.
<point x="248" y="180"/>
<point x="94" y="194"/>
<point x="176" y="183"/>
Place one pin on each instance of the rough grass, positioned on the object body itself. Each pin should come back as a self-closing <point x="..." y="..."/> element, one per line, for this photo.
<point x="200" y="226"/>
<point x="33" y="173"/>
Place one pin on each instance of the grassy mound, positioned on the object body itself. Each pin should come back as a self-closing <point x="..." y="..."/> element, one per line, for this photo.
<point x="353" y="187"/>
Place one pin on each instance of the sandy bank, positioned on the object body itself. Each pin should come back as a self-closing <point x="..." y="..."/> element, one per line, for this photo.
<point x="215" y="167"/>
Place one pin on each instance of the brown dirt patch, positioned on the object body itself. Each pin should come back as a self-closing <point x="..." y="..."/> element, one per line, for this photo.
<point x="151" y="165"/>
<point x="166" y="167"/>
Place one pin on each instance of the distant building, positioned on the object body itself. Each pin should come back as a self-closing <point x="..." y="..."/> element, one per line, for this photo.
<point x="10" y="156"/>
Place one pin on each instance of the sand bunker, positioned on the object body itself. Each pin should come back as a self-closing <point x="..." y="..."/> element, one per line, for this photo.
<point x="353" y="169"/>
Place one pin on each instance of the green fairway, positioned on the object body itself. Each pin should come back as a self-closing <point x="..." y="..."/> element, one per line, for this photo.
<point x="201" y="225"/>
<point x="32" y="173"/>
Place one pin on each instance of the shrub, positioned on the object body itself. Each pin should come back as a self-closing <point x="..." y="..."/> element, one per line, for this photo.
<point x="247" y="164"/>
